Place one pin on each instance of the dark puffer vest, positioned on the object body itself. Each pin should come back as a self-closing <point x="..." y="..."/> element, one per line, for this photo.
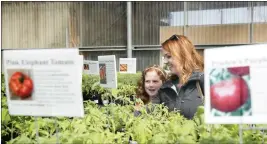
<point x="186" y="99"/>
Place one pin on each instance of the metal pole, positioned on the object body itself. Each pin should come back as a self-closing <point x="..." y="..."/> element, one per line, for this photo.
<point x="251" y="23"/>
<point x="129" y="29"/>
<point x="57" y="136"/>
<point x="240" y="134"/>
<point x="81" y="24"/>
<point x="67" y="26"/>
<point x="37" y="129"/>
<point x="67" y="38"/>
<point x="185" y="17"/>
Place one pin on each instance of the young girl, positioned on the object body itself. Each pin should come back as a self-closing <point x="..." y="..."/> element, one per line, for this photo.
<point x="152" y="79"/>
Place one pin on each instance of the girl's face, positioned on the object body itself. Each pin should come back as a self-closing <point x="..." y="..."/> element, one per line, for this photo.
<point x="152" y="83"/>
<point x="170" y="62"/>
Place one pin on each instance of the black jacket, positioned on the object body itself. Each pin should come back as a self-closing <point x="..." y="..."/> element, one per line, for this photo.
<point x="185" y="99"/>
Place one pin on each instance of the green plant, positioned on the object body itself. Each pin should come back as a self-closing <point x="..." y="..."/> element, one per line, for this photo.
<point x="129" y="79"/>
<point x="117" y="124"/>
<point x="87" y="83"/>
<point x="125" y="94"/>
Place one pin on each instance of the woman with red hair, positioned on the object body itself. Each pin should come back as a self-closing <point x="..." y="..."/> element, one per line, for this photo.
<point x="184" y="89"/>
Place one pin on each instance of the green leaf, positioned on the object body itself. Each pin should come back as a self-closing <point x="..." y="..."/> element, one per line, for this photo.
<point x="5" y="116"/>
<point x="96" y="137"/>
<point x="159" y="138"/>
<point x="45" y="140"/>
<point x="78" y="140"/>
<point x="21" y="139"/>
<point x="64" y="124"/>
<point x="188" y="128"/>
<point x="44" y="133"/>
<point x="186" y="139"/>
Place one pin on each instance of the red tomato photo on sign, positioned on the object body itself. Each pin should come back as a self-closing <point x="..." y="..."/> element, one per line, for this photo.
<point x="230" y="91"/>
<point x="229" y="95"/>
<point x="102" y="73"/>
<point x="20" y="84"/>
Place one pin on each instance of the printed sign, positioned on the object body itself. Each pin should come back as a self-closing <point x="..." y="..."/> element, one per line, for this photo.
<point x="44" y="82"/>
<point x="235" y="86"/>
<point x="107" y="71"/>
<point x="91" y="67"/>
<point x="127" y="65"/>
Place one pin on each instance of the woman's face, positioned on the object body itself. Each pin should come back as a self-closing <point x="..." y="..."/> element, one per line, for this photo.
<point x="152" y="83"/>
<point x="170" y="62"/>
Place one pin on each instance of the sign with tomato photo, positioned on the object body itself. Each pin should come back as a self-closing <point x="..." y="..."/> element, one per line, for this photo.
<point x="107" y="71"/>
<point x="44" y="82"/>
<point x="235" y="83"/>
<point x="90" y="67"/>
<point x="127" y="65"/>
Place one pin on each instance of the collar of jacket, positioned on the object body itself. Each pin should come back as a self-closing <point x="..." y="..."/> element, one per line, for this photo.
<point x="194" y="77"/>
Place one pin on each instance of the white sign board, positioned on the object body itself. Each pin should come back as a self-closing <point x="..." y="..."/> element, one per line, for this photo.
<point x="91" y="67"/>
<point x="107" y="71"/>
<point x="235" y="85"/>
<point x="127" y="65"/>
<point x="44" y="82"/>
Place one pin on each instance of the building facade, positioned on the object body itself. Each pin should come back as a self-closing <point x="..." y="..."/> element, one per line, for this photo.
<point x="100" y="28"/>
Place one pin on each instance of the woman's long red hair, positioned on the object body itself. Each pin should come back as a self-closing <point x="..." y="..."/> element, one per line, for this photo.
<point x="184" y="53"/>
